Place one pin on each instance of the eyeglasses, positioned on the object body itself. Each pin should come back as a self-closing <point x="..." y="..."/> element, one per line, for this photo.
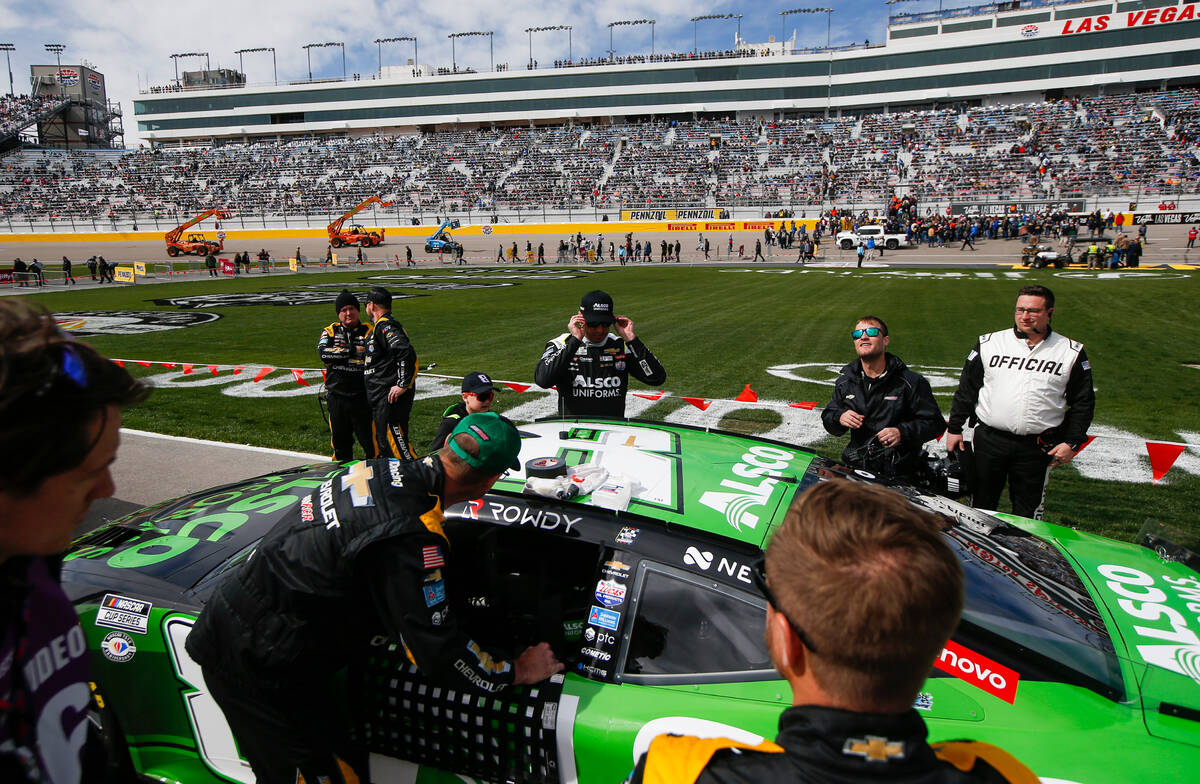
<point x="1031" y="311"/>
<point x="597" y="323"/>
<point x="758" y="573"/>
<point x="71" y="366"/>
<point x="871" y="332"/>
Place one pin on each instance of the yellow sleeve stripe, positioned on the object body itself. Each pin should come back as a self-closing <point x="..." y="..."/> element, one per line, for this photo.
<point x="963" y="755"/>
<point x="680" y="759"/>
<point x="433" y="520"/>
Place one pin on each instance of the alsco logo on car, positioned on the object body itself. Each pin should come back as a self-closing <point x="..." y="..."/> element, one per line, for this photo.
<point x="1175" y="646"/>
<point x="755" y="464"/>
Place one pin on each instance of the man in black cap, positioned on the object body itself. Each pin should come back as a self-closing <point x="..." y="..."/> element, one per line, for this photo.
<point x="477" y="396"/>
<point x="390" y="374"/>
<point x="343" y="348"/>
<point x="591" y="367"/>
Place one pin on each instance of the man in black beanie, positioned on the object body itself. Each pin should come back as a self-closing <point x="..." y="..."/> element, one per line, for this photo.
<point x="343" y="349"/>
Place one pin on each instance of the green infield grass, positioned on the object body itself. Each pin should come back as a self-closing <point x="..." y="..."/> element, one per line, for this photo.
<point x="716" y="330"/>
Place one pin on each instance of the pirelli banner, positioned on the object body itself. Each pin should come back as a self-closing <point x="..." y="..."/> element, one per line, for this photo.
<point x="716" y="213"/>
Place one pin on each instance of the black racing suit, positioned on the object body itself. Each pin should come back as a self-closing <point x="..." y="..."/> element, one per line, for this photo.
<point x="901" y="398"/>
<point x="366" y="551"/>
<point x="831" y="746"/>
<point x="592" y="378"/>
<point x="344" y="353"/>
<point x="391" y="361"/>
<point x="450" y="419"/>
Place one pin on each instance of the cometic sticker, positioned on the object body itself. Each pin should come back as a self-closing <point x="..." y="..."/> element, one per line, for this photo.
<point x="122" y="612"/>
<point x="605" y="619"/>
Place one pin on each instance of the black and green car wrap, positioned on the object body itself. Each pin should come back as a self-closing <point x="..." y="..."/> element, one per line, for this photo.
<point x="1078" y="654"/>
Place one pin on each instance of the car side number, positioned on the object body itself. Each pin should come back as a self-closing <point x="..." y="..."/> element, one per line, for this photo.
<point x="214" y="738"/>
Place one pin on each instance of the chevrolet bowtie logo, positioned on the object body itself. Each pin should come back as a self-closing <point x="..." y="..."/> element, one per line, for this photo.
<point x="873" y="748"/>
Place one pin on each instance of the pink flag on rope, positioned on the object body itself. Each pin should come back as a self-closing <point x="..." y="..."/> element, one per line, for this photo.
<point x="187" y="368"/>
<point x="1084" y="446"/>
<point x="651" y="395"/>
<point x="170" y="365"/>
<point x="298" y="374"/>
<point x="214" y="369"/>
<point x="806" y="406"/>
<point x="514" y="386"/>
<point x="144" y="363"/>
<point x="748" y="395"/>
<point x="698" y="402"/>
<point x="1162" y="457"/>
<point x="237" y="371"/>
<point x="262" y="373"/>
<point x="119" y="362"/>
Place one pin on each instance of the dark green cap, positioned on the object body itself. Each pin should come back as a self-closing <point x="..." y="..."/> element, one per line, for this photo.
<point x="498" y="440"/>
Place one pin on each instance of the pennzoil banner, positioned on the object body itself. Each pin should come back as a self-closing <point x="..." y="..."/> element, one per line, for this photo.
<point x="716" y="213"/>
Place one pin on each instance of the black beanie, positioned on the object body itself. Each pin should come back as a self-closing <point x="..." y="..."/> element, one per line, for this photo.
<point x="344" y="299"/>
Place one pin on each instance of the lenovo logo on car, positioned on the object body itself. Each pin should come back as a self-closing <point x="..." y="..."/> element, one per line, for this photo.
<point x="1142" y="599"/>
<point x="757" y="462"/>
<point x="978" y="670"/>
<point x="704" y="560"/>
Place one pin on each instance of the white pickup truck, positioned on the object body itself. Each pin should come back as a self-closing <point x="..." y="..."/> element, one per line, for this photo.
<point x="849" y="239"/>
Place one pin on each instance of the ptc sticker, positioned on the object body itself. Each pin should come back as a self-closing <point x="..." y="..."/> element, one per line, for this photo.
<point x="118" y="647"/>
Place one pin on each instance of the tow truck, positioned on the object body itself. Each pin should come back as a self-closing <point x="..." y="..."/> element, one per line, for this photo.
<point x="441" y="241"/>
<point x="196" y="244"/>
<point x="849" y="239"/>
<point x="356" y="235"/>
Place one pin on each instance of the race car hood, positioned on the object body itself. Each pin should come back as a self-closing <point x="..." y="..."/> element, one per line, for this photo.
<point x="1154" y="609"/>
<point x="180" y="541"/>
<point x="719" y="483"/>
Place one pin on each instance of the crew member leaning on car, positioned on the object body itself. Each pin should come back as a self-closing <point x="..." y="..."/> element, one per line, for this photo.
<point x="591" y="367"/>
<point x="1030" y="390"/>
<point x="365" y="551"/>
<point x="60" y="402"/>
<point x="862" y="593"/>
<point x="879" y="400"/>
<point x="343" y="349"/>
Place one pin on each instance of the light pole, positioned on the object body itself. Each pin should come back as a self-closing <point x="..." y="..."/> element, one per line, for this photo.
<point x="471" y="34"/>
<point x="271" y="49"/>
<point x="379" y="42"/>
<point x="695" y="19"/>
<point x="628" y="23"/>
<point x="57" y="49"/>
<point x="7" y="49"/>
<point x="532" y="30"/>
<point x="308" y="50"/>
<point x="177" y="57"/>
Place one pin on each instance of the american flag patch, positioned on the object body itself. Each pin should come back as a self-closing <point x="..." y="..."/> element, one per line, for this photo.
<point x="1085" y="365"/>
<point x="432" y="556"/>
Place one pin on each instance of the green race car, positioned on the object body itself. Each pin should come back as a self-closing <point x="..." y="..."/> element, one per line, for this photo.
<point x="1078" y="654"/>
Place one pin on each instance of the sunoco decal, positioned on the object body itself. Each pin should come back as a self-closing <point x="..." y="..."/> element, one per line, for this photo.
<point x="978" y="670"/>
<point x="83" y="323"/>
<point x="1163" y="636"/>
<point x="122" y="612"/>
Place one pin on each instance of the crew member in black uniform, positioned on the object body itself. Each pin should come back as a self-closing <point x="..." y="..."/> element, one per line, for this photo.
<point x="888" y="409"/>
<point x="862" y="593"/>
<point x="591" y="367"/>
<point x="365" y="551"/>
<point x="1029" y="389"/>
<point x="343" y="348"/>
<point x="390" y="375"/>
<point x="477" y="396"/>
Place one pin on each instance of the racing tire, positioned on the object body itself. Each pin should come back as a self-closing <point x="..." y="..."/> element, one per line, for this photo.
<point x="892" y="244"/>
<point x="846" y="244"/>
<point x="545" y="467"/>
<point x="172" y="251"/>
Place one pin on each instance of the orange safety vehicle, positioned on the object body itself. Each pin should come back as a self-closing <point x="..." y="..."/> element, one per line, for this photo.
<point x="196" y="243"/>
<point x="356" y="235"/>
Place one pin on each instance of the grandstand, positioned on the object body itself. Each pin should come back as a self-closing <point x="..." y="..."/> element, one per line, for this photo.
<point x="1127" y="147"/>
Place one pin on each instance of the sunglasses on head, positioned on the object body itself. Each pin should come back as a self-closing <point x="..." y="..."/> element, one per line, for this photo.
<point x="70" y="365"/>
<point x="871" y="332"/>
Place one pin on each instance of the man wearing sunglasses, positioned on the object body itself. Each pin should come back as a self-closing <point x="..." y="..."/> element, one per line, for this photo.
<point x="591" y="367"/>
<point x="888" y="409"/>
<point x="1029" y="389"/>
<point x="862" y="594"/>
<point x="477" y="396"/>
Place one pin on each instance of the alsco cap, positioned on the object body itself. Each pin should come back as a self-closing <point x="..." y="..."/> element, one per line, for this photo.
<point x="597" y="308"/>
<point x="497" y="438"/>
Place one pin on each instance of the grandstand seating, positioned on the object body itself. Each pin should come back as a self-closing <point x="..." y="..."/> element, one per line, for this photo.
<point x="1131" y="145"/>
<point x="18" y="113"/>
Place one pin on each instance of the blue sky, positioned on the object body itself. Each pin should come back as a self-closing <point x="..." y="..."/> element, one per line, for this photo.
<point x="130" y="41"/>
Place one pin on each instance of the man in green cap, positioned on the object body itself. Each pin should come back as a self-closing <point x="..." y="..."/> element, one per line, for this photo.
<point x="365" y="550"/>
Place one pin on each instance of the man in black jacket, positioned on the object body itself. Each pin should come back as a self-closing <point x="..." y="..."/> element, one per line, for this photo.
<point x="366" y="550"/>
<point x="862" y="594"/>
<point x="343" y="349"/>
<point x="591" y="367"/>
<point x="390" y="374"/>
<point x="888" y="409"/>
<point x="477" y="396"/>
